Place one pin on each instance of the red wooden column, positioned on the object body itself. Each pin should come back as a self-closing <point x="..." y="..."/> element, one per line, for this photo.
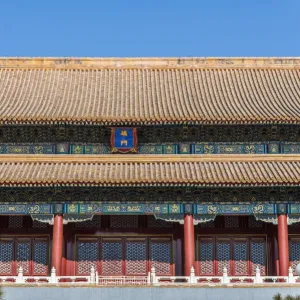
<point x="189" y="244"/>
<point x="57" y="244"/>
<point x="283" y="245"/>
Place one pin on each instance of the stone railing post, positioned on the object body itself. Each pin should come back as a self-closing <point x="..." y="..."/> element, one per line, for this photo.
<point x="257" y="275"/>
<point x="291" y="278"/>
<point x="20" y="278"/>
<point x="53" y="275"/>
<point x="96" y="278"/>
<point x="149" y="278"/>
<point x="225" y="276"/>
<point x="92" y="275"/>
<point x="192" y="276"/>
<point x="153" y="276"/>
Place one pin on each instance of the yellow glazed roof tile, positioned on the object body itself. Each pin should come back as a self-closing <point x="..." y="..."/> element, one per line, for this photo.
<point x="149" y="170"/>
<point x="116" y="91"/>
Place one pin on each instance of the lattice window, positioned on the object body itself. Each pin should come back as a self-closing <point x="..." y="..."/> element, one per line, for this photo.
<point x="136" y="257"/>
<point x="112" y="257"/>
<point x="160" y="256"/>
<point x="157" y="223"/>
<point x="223" y="256"/>
<point x="117" y="221"/>
<point x="94" y="223"/>
<point x="258" y="256"/>
<point x="37" y="224"/>
<point x="294" y="253"/>
<point x="87" y="252"/>
<point x="6" y="257"/>
<point x="296" y="225"/>
<point x="240" y="258"/>
<point x="253" y="223"/>
<point x="206" y="257"/>
<point x="231" y="222"/>
<point x="210" y="224"/>
<point x="15" y="222"/>
<point x="23" y="252"/>
<point x="40" y="257"/>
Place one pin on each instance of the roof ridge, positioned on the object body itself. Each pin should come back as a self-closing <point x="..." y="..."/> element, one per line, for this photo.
<point x="149" y="62"/>
<point x="147" y="158"/>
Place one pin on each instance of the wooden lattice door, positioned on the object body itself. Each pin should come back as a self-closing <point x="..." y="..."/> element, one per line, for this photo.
<point x="30" y="253"/>
<point x="240" y="255"/>
<point x="124" y="256"/>
<point x="294" y="252"/>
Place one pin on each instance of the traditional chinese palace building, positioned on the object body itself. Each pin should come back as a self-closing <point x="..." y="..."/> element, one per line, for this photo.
<point x="128" y="164"/>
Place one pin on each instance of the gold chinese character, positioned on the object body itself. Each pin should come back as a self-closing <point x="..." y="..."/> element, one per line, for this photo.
<point x="124" y="142"/>
<point x="124" y="132"/>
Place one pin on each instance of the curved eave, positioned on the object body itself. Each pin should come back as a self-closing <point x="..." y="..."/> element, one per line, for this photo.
<point x="149" y="91"/>
<point x="150" y="170"/>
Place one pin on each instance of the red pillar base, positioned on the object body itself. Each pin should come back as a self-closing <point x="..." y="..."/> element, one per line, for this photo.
<point x="57" y="244"/>
<point x="283" y="245"/>
<point x="189" y="244"/>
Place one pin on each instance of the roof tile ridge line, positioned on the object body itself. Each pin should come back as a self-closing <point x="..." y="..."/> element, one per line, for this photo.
<point x="60" y="62"/>
<point x="124" y="159"/>
<point x="181" y="67"/>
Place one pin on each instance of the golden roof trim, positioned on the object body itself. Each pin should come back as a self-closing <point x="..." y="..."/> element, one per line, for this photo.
<point x="148" y="62"/>
<point x="149" y="170"/>
<point x="146" y="158"/>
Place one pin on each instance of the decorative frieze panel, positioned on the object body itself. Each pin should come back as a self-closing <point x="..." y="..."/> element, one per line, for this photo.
<point x="59" y="148"/>
<point x="24" y="209"/>
<point x="85" y="211"/>
<point x="163" y="148"/>
<point x="234" y="209"/>
<point x="214" y="148"/>
<point x="126" y="208"/>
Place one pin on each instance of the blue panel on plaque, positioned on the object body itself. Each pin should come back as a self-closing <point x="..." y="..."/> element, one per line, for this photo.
<point x="170" y="149"/>
<point x="124" y="138"/>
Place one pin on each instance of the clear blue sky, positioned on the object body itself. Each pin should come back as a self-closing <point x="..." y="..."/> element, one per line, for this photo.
<point x="150" y="28"/>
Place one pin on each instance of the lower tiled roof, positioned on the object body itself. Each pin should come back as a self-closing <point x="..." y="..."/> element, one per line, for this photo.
<point x="150" y="170"/>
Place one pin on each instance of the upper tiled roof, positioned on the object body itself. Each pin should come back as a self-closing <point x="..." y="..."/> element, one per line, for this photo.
<point x="150" y="91"/>
<point x="132" y="170"/>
